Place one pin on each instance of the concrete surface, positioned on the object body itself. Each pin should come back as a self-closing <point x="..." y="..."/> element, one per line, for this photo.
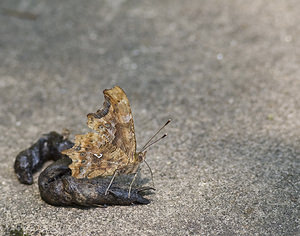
<point x="228" y="74"/>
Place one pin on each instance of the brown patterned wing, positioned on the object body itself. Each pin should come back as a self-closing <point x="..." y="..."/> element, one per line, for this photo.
<point x="91" y="158"/>
<point x="112" y="147"/>
<point x="114" y="121"/>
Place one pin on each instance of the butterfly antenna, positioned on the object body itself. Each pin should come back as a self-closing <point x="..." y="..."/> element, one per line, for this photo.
<point x="150" y="144"/>
<point x="150" y="173"/>
<point x="145" y="146"/>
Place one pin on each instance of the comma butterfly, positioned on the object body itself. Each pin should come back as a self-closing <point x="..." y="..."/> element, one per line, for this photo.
<point x="111" y="150"/>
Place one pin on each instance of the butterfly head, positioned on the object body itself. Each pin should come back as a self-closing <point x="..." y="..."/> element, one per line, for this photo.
<point x="140" y="156"/>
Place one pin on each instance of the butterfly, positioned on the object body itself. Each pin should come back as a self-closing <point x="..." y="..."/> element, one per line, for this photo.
<point x="111" y="149"/>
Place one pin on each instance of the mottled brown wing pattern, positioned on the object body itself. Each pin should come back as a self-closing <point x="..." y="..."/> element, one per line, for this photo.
<point x="116" y="118"/>
<point x="112" y="147"/>
<point x="91" y="157"/>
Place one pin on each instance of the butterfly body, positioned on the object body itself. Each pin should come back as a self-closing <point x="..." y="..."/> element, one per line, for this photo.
<point x="111" y="148"/>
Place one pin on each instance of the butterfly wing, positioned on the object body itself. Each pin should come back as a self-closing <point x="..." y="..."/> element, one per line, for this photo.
<point x="113" y="145"/>
<point x="91" y="158"/>
<point x="114" y="121"/>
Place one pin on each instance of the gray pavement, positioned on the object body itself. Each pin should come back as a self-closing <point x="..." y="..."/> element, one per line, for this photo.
<point x="226" y="72"/>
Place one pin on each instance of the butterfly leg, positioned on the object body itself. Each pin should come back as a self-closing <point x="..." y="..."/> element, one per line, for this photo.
<point x="112" y="180"/>
<point x="150" y="173"/>
<point x="134" y="177"/>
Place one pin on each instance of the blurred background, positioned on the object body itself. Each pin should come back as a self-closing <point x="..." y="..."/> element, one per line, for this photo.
<point x="226" y="72"/>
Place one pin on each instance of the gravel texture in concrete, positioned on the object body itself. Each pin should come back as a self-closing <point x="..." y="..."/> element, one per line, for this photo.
<point x="226" y="72"/>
